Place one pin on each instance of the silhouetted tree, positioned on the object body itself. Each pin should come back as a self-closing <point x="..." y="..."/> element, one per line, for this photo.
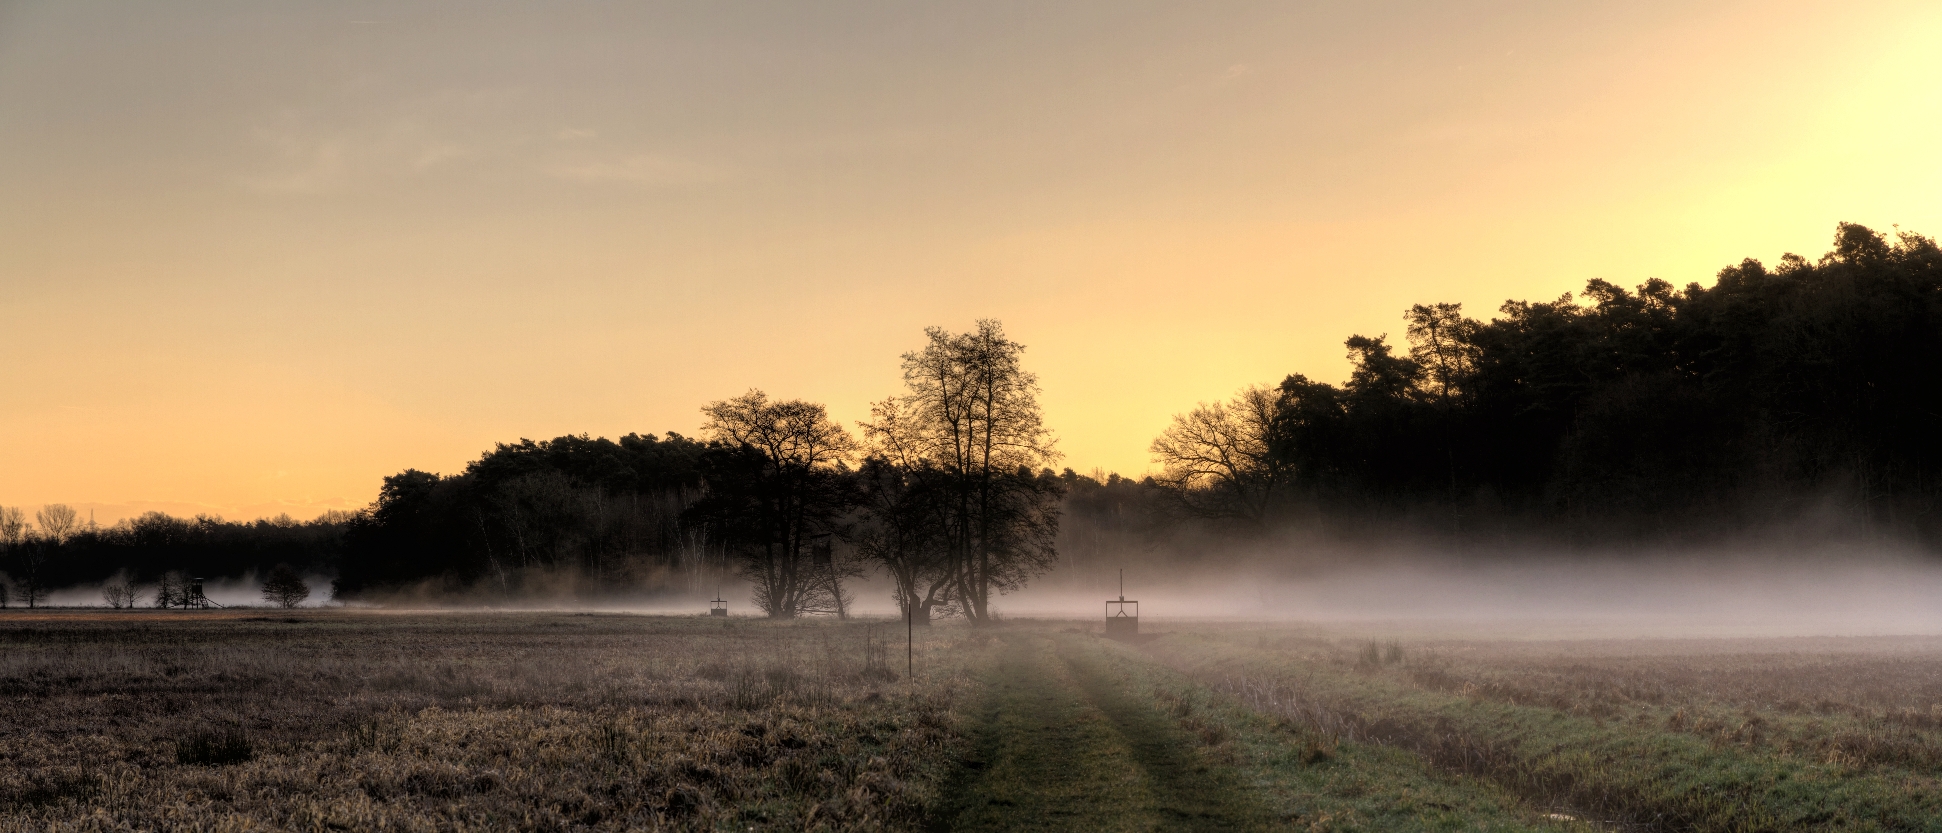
<point x="57" y="522"/>
<point x="1225" y="459"/>
<point x="284" y="587"/>
<point x="904" y="525"/>
<point x="776" y="482"/>
<point x="1439" y="344"/>
<point x="118" y="594"/>
<point x="13" y="527"/>
<point x="171" y="590"/>
<point x="1654" y="408"/>
<point x="13" y="534"/>
<point x="970" y="412"/>
<point x="608" y="510"/>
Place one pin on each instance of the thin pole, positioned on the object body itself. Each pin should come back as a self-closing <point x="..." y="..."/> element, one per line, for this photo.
<point x="910" y="642"/>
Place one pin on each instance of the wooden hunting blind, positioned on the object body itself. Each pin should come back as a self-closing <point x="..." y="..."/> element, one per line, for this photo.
<point x="1122" y="621"/>
<point x="193" y="596"/>
<point x="717" y="607"/>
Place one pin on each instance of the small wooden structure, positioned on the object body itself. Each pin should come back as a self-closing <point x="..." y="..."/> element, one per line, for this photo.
<point x="718" y="607"/>
<point x="193" y="596"/>
<point x="1120" y="623"/>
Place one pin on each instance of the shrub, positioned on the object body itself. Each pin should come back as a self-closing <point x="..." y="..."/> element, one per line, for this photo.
<point x="118" y="594"/>
<point x="1377" y="654"/>
<point x="285" y="587"/>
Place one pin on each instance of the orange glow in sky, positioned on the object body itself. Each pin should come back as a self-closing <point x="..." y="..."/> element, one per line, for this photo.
<point x="255" y="256"/>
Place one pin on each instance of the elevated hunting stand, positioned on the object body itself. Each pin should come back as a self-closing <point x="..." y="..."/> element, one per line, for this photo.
<point x="718" y="607"/>
<point x="1119" y="623"/>
<point x="192" y="596"/>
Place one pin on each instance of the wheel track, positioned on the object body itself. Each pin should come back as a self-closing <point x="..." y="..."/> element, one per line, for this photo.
<point x="1065" y="744"/>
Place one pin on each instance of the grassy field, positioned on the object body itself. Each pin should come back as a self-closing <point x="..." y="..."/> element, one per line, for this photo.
<point x="1079" y="733"/>
<point x="1700" y="735"/>
<point x="340" y="720"/>
<point x="357" y="721"/>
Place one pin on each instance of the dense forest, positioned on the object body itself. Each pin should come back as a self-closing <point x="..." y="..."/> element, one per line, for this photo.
<point x="604" y="510"/>
<point x="1655" y="414"/>
<point x="1795" y="398"/>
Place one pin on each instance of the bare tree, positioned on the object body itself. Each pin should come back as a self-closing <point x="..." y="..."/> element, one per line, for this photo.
<point x="172" y="590"/>
<point x="285" y="588"/>
<point x="905" y="519"/>
<point x="1226" y="459"/>
<point x="118" y="593"/>
<point x="970" y="417"/>
<point x="30" y="558"/>
<point x="13" y="534"/>
<point x="775" y="488"/>
<point x="58" y="522"/>
<point x="13" y="527"/>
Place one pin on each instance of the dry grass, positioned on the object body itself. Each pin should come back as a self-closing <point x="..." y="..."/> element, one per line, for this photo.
<point x="142" y="720"/>
<point x="324" y="721"/>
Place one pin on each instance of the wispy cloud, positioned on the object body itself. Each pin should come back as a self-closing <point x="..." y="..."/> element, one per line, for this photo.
<point x="293" y="157"/>
<point x="648" y="169"/>
<point x="300" y="165"/>
<point x="297" y="159"/>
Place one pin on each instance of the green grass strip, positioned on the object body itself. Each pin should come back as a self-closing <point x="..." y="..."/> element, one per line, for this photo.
<point x="1616" y="771"/>
<point x="1078" y="733"/>
<point x="1306" y="780"/>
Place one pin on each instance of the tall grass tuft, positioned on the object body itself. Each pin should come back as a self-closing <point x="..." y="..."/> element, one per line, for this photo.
<point x="1379" y="654"/>
<point x="214" y="748"/>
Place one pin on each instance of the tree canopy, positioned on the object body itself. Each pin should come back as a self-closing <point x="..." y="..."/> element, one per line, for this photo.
<point x="1617" y="411"/>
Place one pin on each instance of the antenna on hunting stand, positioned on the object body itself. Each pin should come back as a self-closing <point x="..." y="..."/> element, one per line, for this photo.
<point x="910" y="644"/>
<point x="1120" y="625"/>
<point x="717" y="606"/>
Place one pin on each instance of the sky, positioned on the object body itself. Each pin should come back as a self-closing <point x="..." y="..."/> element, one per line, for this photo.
<point x="255" y="256"/>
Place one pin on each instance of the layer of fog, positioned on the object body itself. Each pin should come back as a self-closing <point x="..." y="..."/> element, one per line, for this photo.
<point x="1844" y="591"/>
<point x="1839" y="592"/>
<point x="1852" y="590"/>
<point x="241" y="591"/>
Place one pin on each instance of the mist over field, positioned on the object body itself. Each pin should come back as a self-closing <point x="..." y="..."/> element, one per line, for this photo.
<point x="1594" y="563"/>
<point x="866" y="417"/>
<point x="1853" y="591"/>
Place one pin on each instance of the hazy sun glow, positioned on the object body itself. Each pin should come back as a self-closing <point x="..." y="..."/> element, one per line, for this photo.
<point x="253" y="257"/>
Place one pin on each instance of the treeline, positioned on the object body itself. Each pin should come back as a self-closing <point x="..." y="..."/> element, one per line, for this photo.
<point x="56" y="549"/>
<point x="570" y="508"/>
<point x="1807" y="388"/>
<point x="1650" y="415"/>
<point x="945" y="491"/>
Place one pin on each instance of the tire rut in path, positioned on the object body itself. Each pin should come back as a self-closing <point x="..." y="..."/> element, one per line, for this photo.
<point x="1066" y="744"/>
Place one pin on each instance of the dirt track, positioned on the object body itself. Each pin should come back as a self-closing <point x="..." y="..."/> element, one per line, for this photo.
<point x="1064" y="744"/>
